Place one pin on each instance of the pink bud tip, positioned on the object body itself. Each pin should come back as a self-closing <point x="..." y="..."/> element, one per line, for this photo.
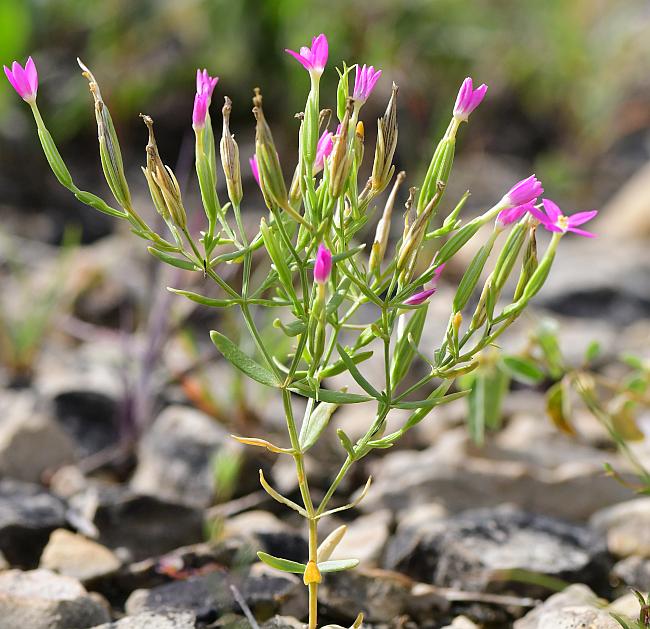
<point x="468" y="99"/>
<point x="313" y="59"/>
<point x="200" y="111"/>
<point x="524" y="192"/>
<point x="23" y="80"/>
<point x="364" y="82"/>
<point x="513" y="214"/>
<point x="205" y="83"/>
<point x="322" y="265"/>
<point x="255" y="169"/>
<point x="420" y="298"/>
<point x="323" y="150"/>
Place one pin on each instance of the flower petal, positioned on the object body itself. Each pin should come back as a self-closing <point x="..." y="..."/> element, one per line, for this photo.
<point x="552" y="209"/>
<point x="581" y="232"/>
<point x="306" y="63"/>
<point x="32" y="75"/>
<point x="581" y="217"/>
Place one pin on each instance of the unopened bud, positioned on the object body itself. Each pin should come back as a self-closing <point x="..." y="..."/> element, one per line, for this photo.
<point x="358" y="142"/>
<point x="230" y="157"/>
<point x="342" y="155"/>
<point x="382" y="168"/>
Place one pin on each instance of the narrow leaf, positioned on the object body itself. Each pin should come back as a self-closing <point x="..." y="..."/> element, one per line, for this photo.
<point x="356" y="374"/>
<point x="202" y="299"/>
<point x="325" y="395"/>
<point x="285" y="565"/>
<point x="338" y="565"/>
<point x="523" y="369"/>
<point x="179" y="263"/>
<point x="315" y="425"/>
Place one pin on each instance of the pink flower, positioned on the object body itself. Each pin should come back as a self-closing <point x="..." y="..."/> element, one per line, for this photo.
<point x="313" y="59"/>
<point x="323" y="264"/>
<point x="468" y="99"/>
<point x="254" y="167"/>
<point x="200" y="111"/>
<point x="523" y="192"/>
<point x="553" y="219"/>
<point x="513" y="214"/>
<point x="364" y="82"/>
<point x="205" y="83"/>
<point x="323" y="150"/>
<point x="24" y="80"/>
<point x="429" y="289"/>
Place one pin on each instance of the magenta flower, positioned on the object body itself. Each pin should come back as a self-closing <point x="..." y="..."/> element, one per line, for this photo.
<point x="513" y="214"/>
<point x="429" y="289"/>
<point x="200" y="111"/>
<point x="255" y="168"/>
<point x="323" y="150"/>
<point x="553" y="219"/>
<point x="313" y="59"/>
<point x="24" y="80"/>
<point x="323" y="264"/>
<point x="468" y="99"/>
<point x="525" y="191"/>
<point x="364" y="82"/>
<point x="205" y="83"/>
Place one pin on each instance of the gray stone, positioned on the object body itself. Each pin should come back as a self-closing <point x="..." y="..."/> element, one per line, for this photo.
<point x="40" y="599"/>
<point x="28" y="514"/>
<point x="453" y="474"/>
<point x="633" y="572"/>
<point x="175" y="456"/>
<point x="365" y="538"/>
<point x="209" y="596"/>
<point x="573" y="608"/>
<point x="473" y="550"/>
<point x="144" y="526"/>
<point x="75" y="556"/>
<point x="461" y="622"/>
<point x="25" y="430"/>
<point x="381" y="595"/>
<point x="282" y="622"/>
<point x="627" y="526"/>
<point x="149" y="620"/>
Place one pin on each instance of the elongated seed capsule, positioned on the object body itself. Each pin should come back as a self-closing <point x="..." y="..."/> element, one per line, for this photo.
<point x="230" y="157"/>
<point x="383" y="227"/>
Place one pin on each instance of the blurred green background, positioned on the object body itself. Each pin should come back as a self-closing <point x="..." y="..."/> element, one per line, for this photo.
<point x="569" y="83"/>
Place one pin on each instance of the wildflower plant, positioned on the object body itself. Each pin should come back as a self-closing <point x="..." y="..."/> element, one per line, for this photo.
<point x="338" y="300"/>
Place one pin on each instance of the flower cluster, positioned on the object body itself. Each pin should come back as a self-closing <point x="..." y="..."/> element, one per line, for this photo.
<point x="335" y="299"/>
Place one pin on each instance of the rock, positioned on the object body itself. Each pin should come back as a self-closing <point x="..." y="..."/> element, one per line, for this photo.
<point x="453" y="474"/>
<point x="627" y="526"/>
<point x="209" y="596"/>
<point x="633" y="572"/>
<point x="175" y="456"/>
<point x="148" y="620"/>
<point x="28" y="514"/>
<point x="263" y="530"/>
<point x="75" y="556"/>
<point x="627" y="214"/>
<point x="473" y="550"/>
<point x="283" y="622"/>
<point x="40" y="599"/>
<point x="24" y="430"/>
<point x="382" y="596"/>
<point x="462" y="623"/>
<point x="627" y="606"/>
<point x="573" y="608"/>
<point x="144" y="526"/>
<point x="365" y="538"/>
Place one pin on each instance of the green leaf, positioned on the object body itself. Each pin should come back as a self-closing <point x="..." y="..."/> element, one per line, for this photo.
<point x="356" y="374"/>
<point x="346" y="442"/>
<point x="633" y="361"/>
<point x="471" y="276"/>
<point x="339" y="366"/>
<point x="325" y="395"/>
<point x="316" y="423"/>
<point x="202" y="299"/>
<point x="429" y="403"/>
<point x="338" y="565"/>
<point x="523" y="369"/>
<point x="179" y="263"/>
<point x="285" y="565"/>
<point x="244" y="363"/>
<point x="546" y="337"/>
<point x="593" y="351"/>
<point x="489" y="387"/>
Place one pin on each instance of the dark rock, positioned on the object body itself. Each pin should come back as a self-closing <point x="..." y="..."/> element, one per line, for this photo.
<point x="474" y="550"/>
<point x="40" y="599"/>
<point x="148" y="620"/>
<point x="143" y="525"/>
<point x="28" y="514"/>
<point x="209" y="596"/>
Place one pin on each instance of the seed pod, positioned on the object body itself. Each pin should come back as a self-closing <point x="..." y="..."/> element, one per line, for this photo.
<point x="382" y="168"/>
<point x="166" y="191"/>
<point x="109" y="147"/>
<point x="230" y="157"/>
<point x="54" y="158"/>
<point x="271" y="178"/>
<point x="342" y="156"/>
<point x="383" y="227"/>
<point x="529" y="264"/>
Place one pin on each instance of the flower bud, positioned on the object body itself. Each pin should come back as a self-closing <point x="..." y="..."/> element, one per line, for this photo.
<point x="342" y="156"/>
<point x="24" y="80"/>
<point x="322" y="265"/>
<point x="468" y="99"/>
<point x="523" y="192"/>
<point x="382" y="168"/>
<point x="230" y="157"/>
